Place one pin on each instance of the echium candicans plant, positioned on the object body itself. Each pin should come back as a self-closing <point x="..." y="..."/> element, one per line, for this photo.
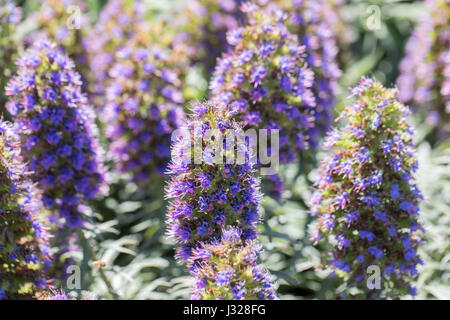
<point x="144" y="102"/>
<point x="10" y="16"/>
<point x="228" y="270"/>
<point x="58" y="132"/>
<point x="365" y="198"/>
<point x="23" y="237"/>
<point x="115" y="25"/>
<point x="208" y="190"/>
<point x="424" y="79"/>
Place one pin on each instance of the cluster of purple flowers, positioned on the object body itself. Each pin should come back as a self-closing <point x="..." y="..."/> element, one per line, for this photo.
<point x="24" y="246"/>
<point x="143" y="108"/>
<point x="58" y="132"/>
<point x="207" y="196"/>
<point x="365" y="197"/>
<point x="228" y="270"/>
<point x="425" y="70"/>
<point x="10" y="16"/>
<point x="115" y="25"/>
<point x="267" y="83"/>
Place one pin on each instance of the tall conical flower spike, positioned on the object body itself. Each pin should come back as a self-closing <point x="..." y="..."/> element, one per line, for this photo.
<point x="58" y="132"/>
<point x="207" y="195"/>
<point x="365" y="197"/>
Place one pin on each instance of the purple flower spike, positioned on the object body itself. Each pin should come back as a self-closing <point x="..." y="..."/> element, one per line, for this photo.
<point x="365" y="205"/>
<point x="206" y="195"/>
<point x="59" y="131"/>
